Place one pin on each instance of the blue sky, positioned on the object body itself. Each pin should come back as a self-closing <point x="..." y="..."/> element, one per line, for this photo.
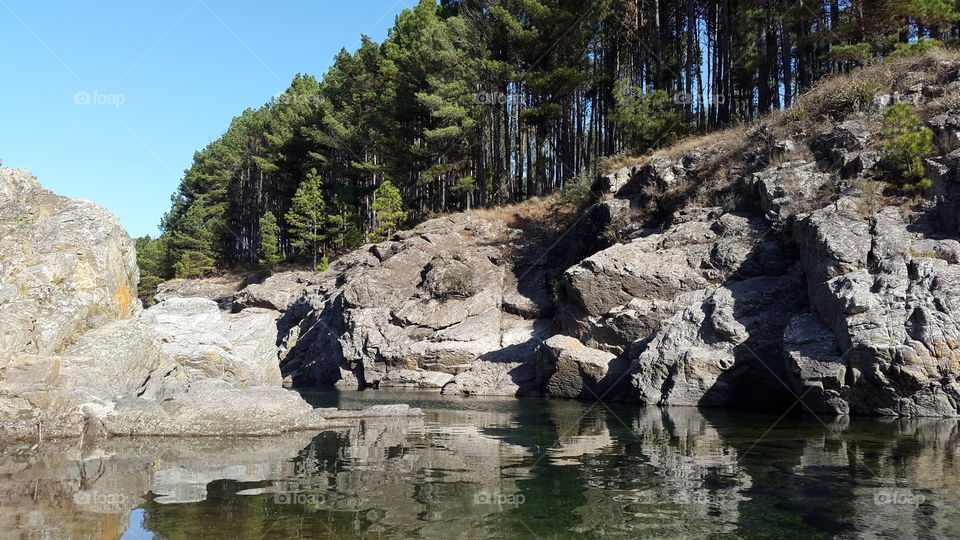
<point x="108" y="100"/>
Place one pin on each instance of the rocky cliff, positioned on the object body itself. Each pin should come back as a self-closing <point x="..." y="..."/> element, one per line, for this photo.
<point x="767" y="266"/>
<point x="80" y="357"/>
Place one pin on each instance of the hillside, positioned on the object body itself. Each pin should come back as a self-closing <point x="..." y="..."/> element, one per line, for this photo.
<point x="475" y="104"/>
<point x="805" y="257"/>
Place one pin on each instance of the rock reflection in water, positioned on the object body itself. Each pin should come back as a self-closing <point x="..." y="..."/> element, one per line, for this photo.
<point x="501" y="468"/>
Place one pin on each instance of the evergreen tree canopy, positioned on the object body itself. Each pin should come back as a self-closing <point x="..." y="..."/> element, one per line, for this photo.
<point x="479" y="102"/>
<point x="306" y="218"/>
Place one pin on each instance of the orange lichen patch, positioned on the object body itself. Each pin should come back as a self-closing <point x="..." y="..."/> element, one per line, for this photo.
<point x="111" y="527"/>
<point x="122" y="299"/>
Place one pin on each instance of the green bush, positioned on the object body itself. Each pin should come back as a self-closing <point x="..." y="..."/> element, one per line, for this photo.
<point x="649" y="120"/>
<point x="324" y="264"/>
<point x="921" y="46"/>
<point x="906" y="144"/>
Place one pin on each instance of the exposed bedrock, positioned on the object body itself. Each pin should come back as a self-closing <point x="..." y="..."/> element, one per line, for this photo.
<point x="79" y="357"/>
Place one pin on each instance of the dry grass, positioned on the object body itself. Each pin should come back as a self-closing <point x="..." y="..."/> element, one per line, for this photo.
<point x="726" y="136"/>
<point x="839" y="95"/>
<point x="542" y="212"/>
<point x="612" y="164"/>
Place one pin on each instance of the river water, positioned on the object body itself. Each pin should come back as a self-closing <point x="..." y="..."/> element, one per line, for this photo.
<point x="502" y="468"/>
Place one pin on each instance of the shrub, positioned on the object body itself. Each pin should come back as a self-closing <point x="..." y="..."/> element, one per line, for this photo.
<point x="649" y="119"/>
<point x="921" y="46"/>
<point x="906" y="144"/>
<point x="324" y="264"/>
<point x="456" y="283"/>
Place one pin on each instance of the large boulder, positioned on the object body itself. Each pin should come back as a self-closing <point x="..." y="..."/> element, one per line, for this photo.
<point x="570" y="369"/>
<point x="433" y="299"/>
<point x="204" y="342"/>
<point x="66" y="265"/>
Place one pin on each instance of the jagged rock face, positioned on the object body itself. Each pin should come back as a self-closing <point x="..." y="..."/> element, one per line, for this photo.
<point x="816" y="289"/>
<point x="722" y="348"/>
<point x="622" y="294"/>
<point x="66" y="265"/>
<point x="888" y="291"/>
<point x="436" y="299"/>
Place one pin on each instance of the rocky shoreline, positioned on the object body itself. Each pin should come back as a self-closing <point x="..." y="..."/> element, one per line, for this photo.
<point x="757" y="268"/>
<point x="79" y="356"/>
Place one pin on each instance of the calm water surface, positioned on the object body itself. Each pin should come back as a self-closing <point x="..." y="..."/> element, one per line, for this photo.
<point x="502" y="468"/>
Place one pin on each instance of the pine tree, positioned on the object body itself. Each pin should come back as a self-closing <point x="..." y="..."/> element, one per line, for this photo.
<point x="154" y="264"/>
<point x="478" y="102"/>
<point x="907" y="142"/>
<point x="387" y="211"/>
<point x="306" y="218"/>
<point x="194" y="239"/>
<point x="269" y="238"/>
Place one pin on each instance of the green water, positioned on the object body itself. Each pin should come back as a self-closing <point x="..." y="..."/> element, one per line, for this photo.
<point x="505" y="468"/>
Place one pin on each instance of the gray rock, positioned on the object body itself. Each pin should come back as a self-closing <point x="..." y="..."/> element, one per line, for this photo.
<point x="889" y="295"/>
<point x="621" y="294"/>
<point x="837" y="145"/>
<point x="486" y="378"/>
<point x="375" y="411"/>
<point x="212" y="407"/>
<point x="946" y="131"/>
<point x="720" y="347"/>
<point x="66" y="265"/>
<point x="278" y="292"/>
<point x="817" y="369"/>
<point x="568" y="368"/>
<point x="415" y="379"/>
<point x="205" y="342"/>
<point x="221" y="289"/>
<point x="435" y="298"/>
<point x="614" y="182"/>
<point x="787" y="189"/>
